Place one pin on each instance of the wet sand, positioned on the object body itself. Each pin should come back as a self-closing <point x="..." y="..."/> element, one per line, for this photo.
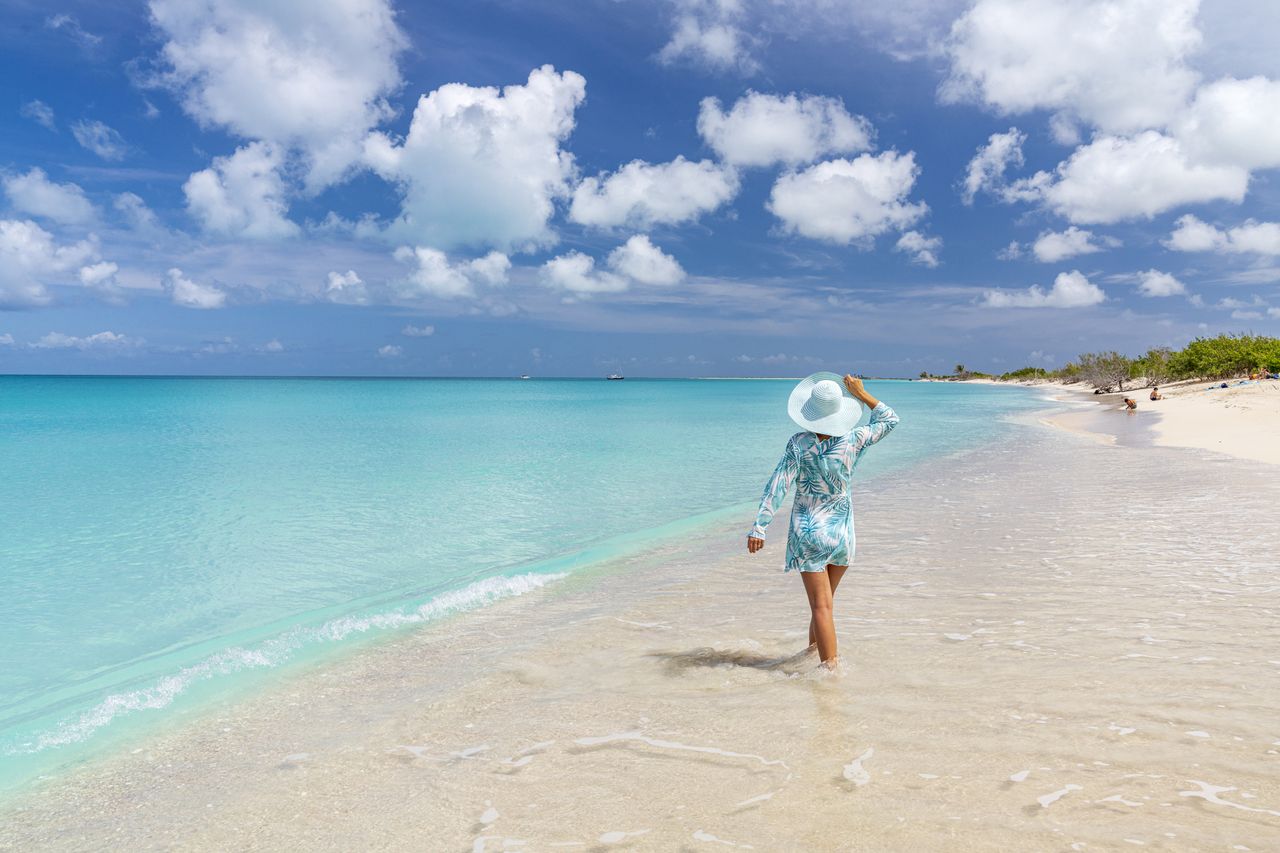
<point x="1049" y="645"/>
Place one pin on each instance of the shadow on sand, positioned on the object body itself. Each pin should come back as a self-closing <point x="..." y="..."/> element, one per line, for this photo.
<point x="677" y="662"/>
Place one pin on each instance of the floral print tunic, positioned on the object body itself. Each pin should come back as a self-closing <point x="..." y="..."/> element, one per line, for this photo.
<point x="821" y="514"/>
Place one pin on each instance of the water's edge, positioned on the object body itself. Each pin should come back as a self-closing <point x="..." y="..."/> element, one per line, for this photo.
<point x="66" y="739"/>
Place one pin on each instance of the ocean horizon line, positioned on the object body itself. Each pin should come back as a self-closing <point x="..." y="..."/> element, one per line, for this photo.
<point x="418" y="377"/>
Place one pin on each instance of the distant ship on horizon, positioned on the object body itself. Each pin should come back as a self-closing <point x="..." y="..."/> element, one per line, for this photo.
<point x="615" y="376"/>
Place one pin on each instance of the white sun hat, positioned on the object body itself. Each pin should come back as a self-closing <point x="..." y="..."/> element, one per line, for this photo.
<point x="821" y="404"/>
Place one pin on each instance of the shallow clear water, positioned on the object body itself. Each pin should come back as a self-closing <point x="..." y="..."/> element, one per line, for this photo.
<point x="161" y="534"/>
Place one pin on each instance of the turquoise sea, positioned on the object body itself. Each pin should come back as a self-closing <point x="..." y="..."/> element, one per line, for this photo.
<point x="165" y="541"/>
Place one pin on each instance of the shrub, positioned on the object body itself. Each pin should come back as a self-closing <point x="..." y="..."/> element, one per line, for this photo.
<point x="1069" y="372"/>
<point x="1026" y="373"/>
<point x="1225" y="356"/>
<point x="1104" y="369"/>
<point x="1154" y="366"/>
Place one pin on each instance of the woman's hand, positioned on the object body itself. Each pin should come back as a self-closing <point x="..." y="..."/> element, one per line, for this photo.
<point x="856" y="388"/>
<point x="754" y="543"/>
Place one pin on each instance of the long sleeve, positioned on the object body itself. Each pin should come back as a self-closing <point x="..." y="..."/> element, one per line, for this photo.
<point x="883" y="420"/>
<point x="776" y="489"/>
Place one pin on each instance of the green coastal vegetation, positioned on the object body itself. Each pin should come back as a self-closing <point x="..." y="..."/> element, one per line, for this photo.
<point x="1220" y="357"/>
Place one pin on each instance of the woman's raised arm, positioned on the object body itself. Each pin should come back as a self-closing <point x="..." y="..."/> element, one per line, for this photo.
<point x="883" y="418"/>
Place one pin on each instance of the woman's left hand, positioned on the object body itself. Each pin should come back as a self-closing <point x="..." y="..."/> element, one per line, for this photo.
<point x="754" y="543"/>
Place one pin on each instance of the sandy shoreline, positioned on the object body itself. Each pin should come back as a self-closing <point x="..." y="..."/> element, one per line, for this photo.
<point x="1021" y="675"/>
<point x="1241" y="420"/>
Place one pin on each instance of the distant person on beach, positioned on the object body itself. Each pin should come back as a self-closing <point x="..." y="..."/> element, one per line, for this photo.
<point x="1131" y="404"/>
<point x="820" y="462"/>
<point x="1156" y="395"/>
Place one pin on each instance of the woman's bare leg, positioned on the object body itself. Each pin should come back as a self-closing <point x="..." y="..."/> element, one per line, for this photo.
<point x="817" y="585"/>
<point x="834" y="574"/>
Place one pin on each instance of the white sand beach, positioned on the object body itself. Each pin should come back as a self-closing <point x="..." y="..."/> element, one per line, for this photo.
<point x="1241" y="420"/>
<point x="1051" y="645"/>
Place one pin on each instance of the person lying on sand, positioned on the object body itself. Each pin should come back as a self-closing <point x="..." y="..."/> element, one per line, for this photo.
<point x="1131" y="404"/>
<point x="1156" y="395"/>
<point x="820" y="461"/>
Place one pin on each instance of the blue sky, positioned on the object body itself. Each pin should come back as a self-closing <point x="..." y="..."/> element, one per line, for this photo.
<point x="695" y="187"/>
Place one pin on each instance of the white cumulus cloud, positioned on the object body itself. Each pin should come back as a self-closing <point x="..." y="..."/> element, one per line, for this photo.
<point x="709" y="33"/>
<point x="30" y="260"/>
<point x="242" y="195"/>
<point x="189" y="294"/>
<point x="389" y="351"/>
<point x="1118" y="178"/>
<point x="412" y="331"/>
<point x="923" y="250"/>
<point x="1193" y="235"/>
<point x="1119" y="65"/>
<point x="483" y="166"/>
<point x="1153" y="282"/>
<point x="641" y="195"/>
<point x="101" y="277"/>
<point x="577" y="273"/>
<point x="641" y="261"/>
<point x="310" y="77"/>
<point x="346" y="288"/>
<point x="1123" y="74"/>
<point x="1070" y="290"/>
<point x="433" y="274"/>
<point x="137" y="215"/>
<point x="848" y="201"/>
<point x="986" y="169"/>
<point x="761" y="130"/>
<point x="1233" y="122"/>
<point x="637" y="261"/>
<point x="1054" y="246"/>
<point x="34" y="194"/>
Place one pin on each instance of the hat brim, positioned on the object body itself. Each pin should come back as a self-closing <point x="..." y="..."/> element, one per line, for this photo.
<point x="838" y="423"/>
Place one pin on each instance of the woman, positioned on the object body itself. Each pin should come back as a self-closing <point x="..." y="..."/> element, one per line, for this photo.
<point x="820" y="461"/>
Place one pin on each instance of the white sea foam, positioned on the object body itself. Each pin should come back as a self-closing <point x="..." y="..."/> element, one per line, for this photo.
<point x="699" y="835"/>
<point x="277" y="651"/>
<point x="855" y="772"/>
<point x="1210" y="793"/>
<point x="617" y="836"/>
<point x="1117" y="798"/>
<point x="1051" y="798"/>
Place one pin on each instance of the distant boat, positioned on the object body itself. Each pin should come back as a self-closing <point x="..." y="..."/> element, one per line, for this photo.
<point x="524" y="376"/>
<point x="615" y="376"/>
